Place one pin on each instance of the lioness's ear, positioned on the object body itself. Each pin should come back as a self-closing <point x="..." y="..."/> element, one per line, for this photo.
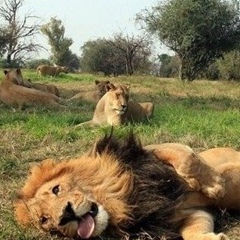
<point x="97" y="82"/>
<point x="110" y="86"/>
<point x="5" y="72"/>
<point x="18" y="71"/>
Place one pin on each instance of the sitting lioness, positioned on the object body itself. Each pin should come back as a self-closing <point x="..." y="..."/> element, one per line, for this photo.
<point x="13" y="94"/>
<point x="114" y="108"/>
<point x="111" y="108"/>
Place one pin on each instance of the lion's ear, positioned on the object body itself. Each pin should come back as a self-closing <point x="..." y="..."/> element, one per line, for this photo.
<point x="110" y="86"/>
<point x="97" y="82"/>
<point x="5" y="72"/>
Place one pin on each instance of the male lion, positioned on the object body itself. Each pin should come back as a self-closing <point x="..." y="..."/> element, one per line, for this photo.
<point x="51" y="70"/>
<point x="12" y="93"/>
<point x="119" y="189"/>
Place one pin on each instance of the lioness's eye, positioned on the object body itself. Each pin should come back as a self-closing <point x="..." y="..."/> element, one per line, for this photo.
<point x="56" y="189"/>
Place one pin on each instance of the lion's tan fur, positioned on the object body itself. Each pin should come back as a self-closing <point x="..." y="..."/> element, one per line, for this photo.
<point x="111" y="108"/>
<point x="51" y="70"/>
<point x="13" y="94"/>
<point x="92" y="95"/>
<point x="50" y="88"/>
<point x="192" y="167"/>
<point x="137" y="111"/>
<point x="115" y="108"/>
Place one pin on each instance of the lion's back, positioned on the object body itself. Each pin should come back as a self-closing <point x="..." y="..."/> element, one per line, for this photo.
<point x="47" y="70"/>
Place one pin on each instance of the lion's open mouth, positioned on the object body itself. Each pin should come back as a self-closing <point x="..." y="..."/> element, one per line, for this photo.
<point x="86" y="224"/>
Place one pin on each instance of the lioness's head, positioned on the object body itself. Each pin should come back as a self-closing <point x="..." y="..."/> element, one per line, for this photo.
<point x="14" y="75"/>
<point x="71" y="197"/>
<point x="117" y="98"/>
<point x="102" y="87"/>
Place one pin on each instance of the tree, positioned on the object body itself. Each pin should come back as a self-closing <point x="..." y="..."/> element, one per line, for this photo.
<point x="55" y="31"/>
<point x="115" y="56"/>
<point x="135" y="50"/>
<point x="101" y="56"/>
<point x="20" y="32"/>
<point x="3" y="40"/>
<point x="199" y="31"/>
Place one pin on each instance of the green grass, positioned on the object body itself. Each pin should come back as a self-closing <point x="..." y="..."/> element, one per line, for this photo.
<point x="202" y="114"/>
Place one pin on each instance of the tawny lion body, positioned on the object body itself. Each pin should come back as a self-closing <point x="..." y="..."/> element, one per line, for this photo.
<point x="51" y="70"/>
<point x="49" y="88"/>
<point x="115" y="109"/>
<point x="92" y="95"/>
<point x="120" y="189"/>
<point x="13" y="94"/>
<point x="111" y="108"/>
<point x="137" y="111"/>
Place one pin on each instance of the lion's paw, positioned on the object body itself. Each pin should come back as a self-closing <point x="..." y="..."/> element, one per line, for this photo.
<point x="213" y="236"/>
<point x="215" y="192"/>
<point x="193" y="183"/>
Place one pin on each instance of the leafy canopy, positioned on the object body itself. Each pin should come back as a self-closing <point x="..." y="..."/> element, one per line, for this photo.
<point x="199" y="31"/>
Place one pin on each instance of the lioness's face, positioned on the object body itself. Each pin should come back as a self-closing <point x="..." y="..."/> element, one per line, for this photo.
<point x="119" y="99"/>
<point x="59" y="206"/>
<point x="15" y="75"/>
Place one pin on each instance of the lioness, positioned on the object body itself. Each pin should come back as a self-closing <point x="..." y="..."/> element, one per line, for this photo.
<point x="13" y="94"/>
<point x="111" y="108"/>
<point x="138" y="111"/>
<point x="115" y="108"/>
<point x="51" y="70"/>
<point x="124" y="190"/>
<point x="50" y="88"/>
<point x="94" y="95"/>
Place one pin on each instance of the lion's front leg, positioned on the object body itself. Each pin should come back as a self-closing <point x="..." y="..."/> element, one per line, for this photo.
<point x="199" y="226"/>
<point x="190" y="166"/>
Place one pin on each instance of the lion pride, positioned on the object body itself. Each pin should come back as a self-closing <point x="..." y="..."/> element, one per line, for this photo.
<point x="120" y="189"/>
<point x="11" y="93"/>
<point x="51" y="70"/>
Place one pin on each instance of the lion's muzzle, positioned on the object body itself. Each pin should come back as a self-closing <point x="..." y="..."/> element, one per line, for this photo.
<point x="86" y="222"/>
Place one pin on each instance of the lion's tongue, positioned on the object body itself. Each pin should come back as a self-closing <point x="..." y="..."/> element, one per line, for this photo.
<point x="86" y="226"/>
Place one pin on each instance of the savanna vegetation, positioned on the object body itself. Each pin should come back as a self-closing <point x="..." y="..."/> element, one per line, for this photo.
<point x="202" y="114"/>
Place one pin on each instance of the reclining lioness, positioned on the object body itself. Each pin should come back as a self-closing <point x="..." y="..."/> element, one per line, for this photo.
<point x="93" y="95"/>
<point x="115" y="108"/>
<point x="12" y="93"/>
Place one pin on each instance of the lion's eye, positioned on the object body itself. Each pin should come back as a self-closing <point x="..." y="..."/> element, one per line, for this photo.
<point x="56" y="189"/>
<point x="43" y="220"/>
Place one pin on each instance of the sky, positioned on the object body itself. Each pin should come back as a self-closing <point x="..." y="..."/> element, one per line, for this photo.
<point x="86" y="20"/>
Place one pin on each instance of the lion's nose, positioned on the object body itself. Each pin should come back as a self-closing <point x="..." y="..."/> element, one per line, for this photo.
<point x="68" y="215"/>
